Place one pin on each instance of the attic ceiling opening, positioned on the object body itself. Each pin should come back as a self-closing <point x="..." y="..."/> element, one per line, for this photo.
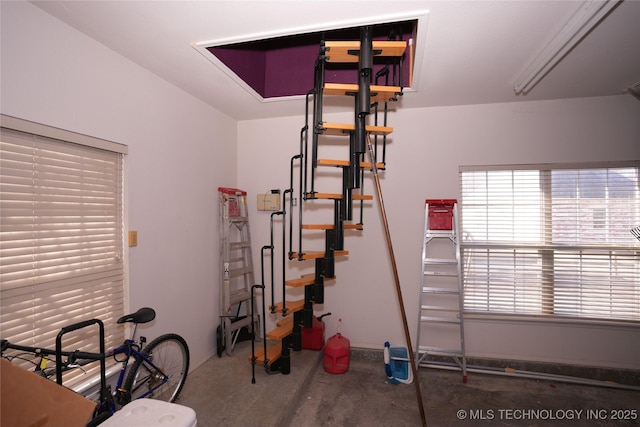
<point x="283" y="66"/>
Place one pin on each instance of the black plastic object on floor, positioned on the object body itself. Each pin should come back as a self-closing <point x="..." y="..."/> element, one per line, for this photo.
<point x="243" y="334"/>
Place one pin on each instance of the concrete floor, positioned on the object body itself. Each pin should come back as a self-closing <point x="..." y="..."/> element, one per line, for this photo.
<point x="222" y="394"/>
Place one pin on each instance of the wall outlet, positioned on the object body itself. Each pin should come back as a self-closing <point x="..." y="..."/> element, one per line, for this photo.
<point x="268" y="202"/>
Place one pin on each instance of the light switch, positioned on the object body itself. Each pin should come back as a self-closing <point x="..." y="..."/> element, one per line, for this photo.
<point x="133" y="238"/>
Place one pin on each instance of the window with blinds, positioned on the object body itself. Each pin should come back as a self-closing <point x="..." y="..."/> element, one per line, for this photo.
<point x="61" y="238"/>
<point x="552" y="240"/>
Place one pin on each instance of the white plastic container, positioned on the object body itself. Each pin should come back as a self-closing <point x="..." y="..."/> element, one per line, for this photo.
<point x="152" y="413"/>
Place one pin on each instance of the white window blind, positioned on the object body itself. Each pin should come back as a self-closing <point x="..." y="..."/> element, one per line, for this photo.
<point x="61" y="240"/>
<point x="552" y="240"/>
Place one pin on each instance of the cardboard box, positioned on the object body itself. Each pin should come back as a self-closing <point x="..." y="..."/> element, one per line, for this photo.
<point x="28" y="400"/>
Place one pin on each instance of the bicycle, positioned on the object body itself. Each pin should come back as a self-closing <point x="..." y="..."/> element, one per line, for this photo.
<point x="159" y="369"/>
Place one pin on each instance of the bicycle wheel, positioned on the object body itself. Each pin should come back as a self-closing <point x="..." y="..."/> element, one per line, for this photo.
<point x="170" y="354"/>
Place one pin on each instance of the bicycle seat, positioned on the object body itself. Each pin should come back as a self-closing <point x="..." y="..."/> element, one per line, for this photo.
<point x="143" y="315"/>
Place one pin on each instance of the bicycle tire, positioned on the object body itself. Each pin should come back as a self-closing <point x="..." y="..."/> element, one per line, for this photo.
<point x="171" y="354"/>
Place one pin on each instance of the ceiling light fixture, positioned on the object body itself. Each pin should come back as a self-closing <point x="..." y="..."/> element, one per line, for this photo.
<point x="584" y="20"/>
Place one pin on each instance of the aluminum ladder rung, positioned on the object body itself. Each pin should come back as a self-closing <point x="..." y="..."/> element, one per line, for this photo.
<point x="438" y="308"/>
<point x="240" y="245"/>
<point x="440" y="261"/>
<point x="238" y="219"/>
<point x="439" y="273"/>
<point x="434" y="319"/>
<point x="240" y="271"/>
<point x="439" y="233"/>
<point x="236" y="260"/>
<point x="436" y="290"/>
<point x="440" y="351"/>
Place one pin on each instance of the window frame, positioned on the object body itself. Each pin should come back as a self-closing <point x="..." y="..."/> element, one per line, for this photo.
<point x="105" y="163"/>
<point x="547" y="249"/>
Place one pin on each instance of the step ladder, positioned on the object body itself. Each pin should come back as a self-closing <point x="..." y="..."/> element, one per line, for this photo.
<point x="236" y="268"/>
<point x="441" y="321"/>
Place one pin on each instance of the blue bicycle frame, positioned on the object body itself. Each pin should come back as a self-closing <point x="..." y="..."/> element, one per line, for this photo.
<point x="131" y="348"/>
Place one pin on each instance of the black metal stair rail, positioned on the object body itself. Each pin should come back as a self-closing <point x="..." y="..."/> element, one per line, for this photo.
<point x="303" y="181"/>
<point x="253" y="338"/>
<point x="318" y="89"/>
<point x="271" y="247"/>
<point x="264" y="311"/>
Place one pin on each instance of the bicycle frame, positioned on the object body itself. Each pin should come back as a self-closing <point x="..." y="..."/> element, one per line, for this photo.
<point x="131" y="348"/>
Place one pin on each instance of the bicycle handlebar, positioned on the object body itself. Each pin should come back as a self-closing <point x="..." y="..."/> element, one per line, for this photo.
<point x="73" y="355"/>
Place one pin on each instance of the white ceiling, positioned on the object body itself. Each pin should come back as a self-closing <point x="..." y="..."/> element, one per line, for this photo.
<point x="471" y="52"/>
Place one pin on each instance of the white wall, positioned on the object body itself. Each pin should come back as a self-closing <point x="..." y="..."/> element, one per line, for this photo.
<point x="180" y="151"/>
<point x="428" y="145"/>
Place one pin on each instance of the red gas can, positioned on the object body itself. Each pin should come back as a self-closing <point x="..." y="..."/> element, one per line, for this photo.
<point x="313" y="338"/>
<point x="337" y="353"/>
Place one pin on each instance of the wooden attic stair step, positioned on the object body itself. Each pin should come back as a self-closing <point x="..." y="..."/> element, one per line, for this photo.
<point x="347" y="163"/>
<point x="340" y="129"/>
<point x="273" y="353"/>
<point x="305" y="280"/>
<point x="346" y="51"/>
<point x="378" y="93"/>
<point x="284" y="327"/>
<point x="334" y="196"/>
<point x="292" y="306"/>
<point x="285" y="322"/>
<point x="321" y="254"/>
<point x="345" y="226"/>
<point x="281" y="331"/>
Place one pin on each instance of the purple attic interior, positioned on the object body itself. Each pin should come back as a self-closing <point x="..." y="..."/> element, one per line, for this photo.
<point x="285" y="66"/>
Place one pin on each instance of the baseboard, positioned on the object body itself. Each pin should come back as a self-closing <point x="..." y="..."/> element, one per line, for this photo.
<point x="609" y="375"/>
